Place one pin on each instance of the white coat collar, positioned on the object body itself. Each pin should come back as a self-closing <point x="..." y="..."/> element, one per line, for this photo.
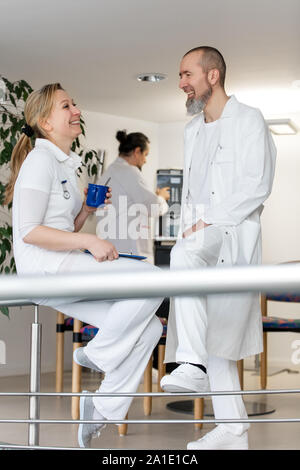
<point x="229" y="110"/>
<point x="230" y="107"/>
<point x="72" y="160"/>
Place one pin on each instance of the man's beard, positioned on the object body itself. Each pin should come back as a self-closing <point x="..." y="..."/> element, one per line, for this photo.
<point x="196" y="105"/>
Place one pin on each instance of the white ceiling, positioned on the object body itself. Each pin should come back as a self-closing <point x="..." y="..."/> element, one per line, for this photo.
<point x="95" y="48"/>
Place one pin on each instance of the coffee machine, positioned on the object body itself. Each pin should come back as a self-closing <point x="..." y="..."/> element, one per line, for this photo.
<point x="167" y="226"/>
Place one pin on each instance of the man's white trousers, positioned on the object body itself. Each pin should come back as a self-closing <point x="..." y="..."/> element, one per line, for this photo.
<point x="202" y="249"/>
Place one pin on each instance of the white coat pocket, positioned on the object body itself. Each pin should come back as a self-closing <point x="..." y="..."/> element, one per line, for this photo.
<point x="223" y="170"/>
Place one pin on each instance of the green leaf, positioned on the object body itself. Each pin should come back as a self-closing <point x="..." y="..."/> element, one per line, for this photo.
<point x="8" y="84"/>
<point x="12" y="99"/>
<point x="86" y="157"/>
<point x="25" y="95"/>
<point x="18" y="91"/>
<point x="5" y="311"/>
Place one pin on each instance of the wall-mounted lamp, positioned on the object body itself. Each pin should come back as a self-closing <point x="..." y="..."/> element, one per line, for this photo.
<point x="282" y="126"/>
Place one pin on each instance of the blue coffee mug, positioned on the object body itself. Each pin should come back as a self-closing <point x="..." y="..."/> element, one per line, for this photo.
<point x="96" y="195"/>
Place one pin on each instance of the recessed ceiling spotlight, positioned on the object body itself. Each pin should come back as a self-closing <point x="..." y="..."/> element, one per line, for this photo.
<point x="296" y="84"/>
<point x="151" y="77"/>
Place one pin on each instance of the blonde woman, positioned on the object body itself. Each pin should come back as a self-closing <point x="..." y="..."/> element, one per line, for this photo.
<point x="48" y="214"/>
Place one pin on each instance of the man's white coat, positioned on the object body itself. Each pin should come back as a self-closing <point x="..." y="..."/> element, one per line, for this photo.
<point x="241" y="177"/>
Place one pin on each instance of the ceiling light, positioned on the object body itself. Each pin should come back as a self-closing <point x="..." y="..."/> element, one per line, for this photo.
<point x="296" y="84"/>
<point x="282" y="126"/>
<point x="151" y="77"/>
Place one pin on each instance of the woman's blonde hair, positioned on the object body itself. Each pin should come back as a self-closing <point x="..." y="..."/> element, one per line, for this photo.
<point x="38" y="107"/>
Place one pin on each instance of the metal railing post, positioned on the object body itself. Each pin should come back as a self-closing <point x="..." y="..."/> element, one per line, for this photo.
<point x="35" y="373"/>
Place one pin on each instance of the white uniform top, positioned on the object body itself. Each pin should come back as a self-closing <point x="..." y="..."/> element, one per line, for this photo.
<point x="199" y="184"/>
<point x="46" y="176"/>
<point x="127" y="223"/>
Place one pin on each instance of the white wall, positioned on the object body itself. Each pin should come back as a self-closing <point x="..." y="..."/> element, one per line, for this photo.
<point x="100" y="134"/>
<point x="101" y="130"/>
<point x="170" y="141"/>
<point x="15" y="332"/>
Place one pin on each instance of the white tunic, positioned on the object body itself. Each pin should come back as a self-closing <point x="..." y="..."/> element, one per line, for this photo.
<point x="39" y="200"/>
<point x="127" y="223"/>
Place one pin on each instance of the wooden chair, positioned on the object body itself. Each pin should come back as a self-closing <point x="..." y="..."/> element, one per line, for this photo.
<point x="64" y="324"/>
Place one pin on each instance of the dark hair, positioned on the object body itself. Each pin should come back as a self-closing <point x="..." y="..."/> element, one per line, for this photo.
<point x="211" y="59"/>
<point x="129" y="142"/>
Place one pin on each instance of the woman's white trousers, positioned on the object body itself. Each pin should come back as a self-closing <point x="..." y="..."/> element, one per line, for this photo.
<point x="128" y="331"/>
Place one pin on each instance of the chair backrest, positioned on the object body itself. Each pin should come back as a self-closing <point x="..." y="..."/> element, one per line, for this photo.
<point x="288" y="297"/>
<point x="280" y="297"/>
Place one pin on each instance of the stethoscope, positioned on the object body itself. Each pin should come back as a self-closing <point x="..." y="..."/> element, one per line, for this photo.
<point x="66" y="192"/>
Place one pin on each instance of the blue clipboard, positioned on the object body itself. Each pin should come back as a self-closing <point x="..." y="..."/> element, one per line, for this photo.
<point x="128" y="255"/>
<point x="124" y="255"/>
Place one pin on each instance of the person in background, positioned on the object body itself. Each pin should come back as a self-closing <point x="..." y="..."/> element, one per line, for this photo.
<point x="228" y="174"/>
<point x="48" y="213"/>
<point x="133" y="203"/>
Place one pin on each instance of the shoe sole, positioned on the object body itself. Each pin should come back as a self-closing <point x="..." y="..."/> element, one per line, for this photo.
<point x="81" y="408"/>
<point x="177" y="388"/>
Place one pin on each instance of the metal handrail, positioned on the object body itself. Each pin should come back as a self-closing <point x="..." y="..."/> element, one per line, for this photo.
<point x="152" y="394"/>
<point x="18" y="290"/>
<point x="150" y="421"/>
<point x="162" y="283"/>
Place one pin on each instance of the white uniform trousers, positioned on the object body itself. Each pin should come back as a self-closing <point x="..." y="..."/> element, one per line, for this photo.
<point x="199" y="250"/>
<point x="128" y="332"/>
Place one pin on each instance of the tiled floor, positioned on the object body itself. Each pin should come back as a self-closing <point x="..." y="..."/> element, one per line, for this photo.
<point x="148" y="436"/>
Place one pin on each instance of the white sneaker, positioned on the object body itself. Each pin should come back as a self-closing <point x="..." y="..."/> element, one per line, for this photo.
<point x="87" y="431"/>
<point x="186" y="378"/>
<point x="220" y="439"/>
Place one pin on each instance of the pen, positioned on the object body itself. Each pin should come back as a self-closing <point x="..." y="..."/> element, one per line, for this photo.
<point x="107" y="181"/>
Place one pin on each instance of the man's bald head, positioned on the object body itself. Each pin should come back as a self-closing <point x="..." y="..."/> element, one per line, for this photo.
<point x="210" y="58"/>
